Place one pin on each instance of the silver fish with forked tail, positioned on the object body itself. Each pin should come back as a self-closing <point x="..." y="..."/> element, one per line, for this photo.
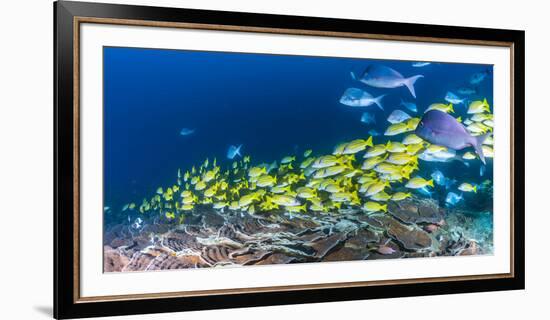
<point x="354" y="97"/>
<point x="385" y="77"/>
<point x="440" y="128"/>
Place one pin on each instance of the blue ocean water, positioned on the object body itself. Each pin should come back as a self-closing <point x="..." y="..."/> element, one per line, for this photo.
<point x="274" y="105"/>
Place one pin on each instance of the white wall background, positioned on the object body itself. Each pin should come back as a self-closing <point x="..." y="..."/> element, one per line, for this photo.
<point x="26" y="158"/>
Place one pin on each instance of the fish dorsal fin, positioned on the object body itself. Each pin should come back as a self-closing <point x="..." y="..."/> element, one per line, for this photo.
<point x="377" y="71"/>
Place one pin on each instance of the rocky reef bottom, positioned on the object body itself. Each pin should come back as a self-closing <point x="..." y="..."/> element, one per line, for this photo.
<point x="411" y="228"/>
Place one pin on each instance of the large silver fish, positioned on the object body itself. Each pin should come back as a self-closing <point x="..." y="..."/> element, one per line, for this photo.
<point x="385" y="77"/>
<point x="440" y="128"/>
<point x="354" y="97"/>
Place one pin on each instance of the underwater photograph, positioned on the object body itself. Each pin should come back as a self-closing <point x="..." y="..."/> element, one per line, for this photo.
<point x="224" y="159"/>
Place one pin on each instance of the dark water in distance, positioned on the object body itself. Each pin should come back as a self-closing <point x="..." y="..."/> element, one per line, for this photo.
<point x="275" y="105"/>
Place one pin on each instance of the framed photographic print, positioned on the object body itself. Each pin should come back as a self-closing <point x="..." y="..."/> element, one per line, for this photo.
<point x="215" y="159"/>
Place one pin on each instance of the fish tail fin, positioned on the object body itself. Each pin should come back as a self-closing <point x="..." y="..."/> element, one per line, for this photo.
<point x="487" y="108"/>
<point x="478" y="142"/>
<point x="459" y="119"/>
<point x="378" y="101"/>
<point x="355" y="198"/>
<point x="369" y="142"/>
<point x="409" y="83"/>
<point x="238" y="151"/>
<point x="431" y="183"/>
<point x="475" y="188"/>
<point x="451" y="108"/>
<point x="384" y="208"/>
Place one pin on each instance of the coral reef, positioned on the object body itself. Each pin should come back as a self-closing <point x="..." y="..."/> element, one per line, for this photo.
<point x="411" y="228"/>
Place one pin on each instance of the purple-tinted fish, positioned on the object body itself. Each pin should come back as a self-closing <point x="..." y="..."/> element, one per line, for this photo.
<point x="440" y="128"/>
<point x="431" y="228"/>
<point x="385" y="77"/>
<point x="384" y="249"/>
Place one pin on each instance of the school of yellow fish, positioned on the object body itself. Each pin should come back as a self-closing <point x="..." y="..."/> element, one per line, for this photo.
<point x="359" y="173"/>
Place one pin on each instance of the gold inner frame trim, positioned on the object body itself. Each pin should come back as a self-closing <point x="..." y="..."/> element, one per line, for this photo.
<point x="145" y="23"/>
